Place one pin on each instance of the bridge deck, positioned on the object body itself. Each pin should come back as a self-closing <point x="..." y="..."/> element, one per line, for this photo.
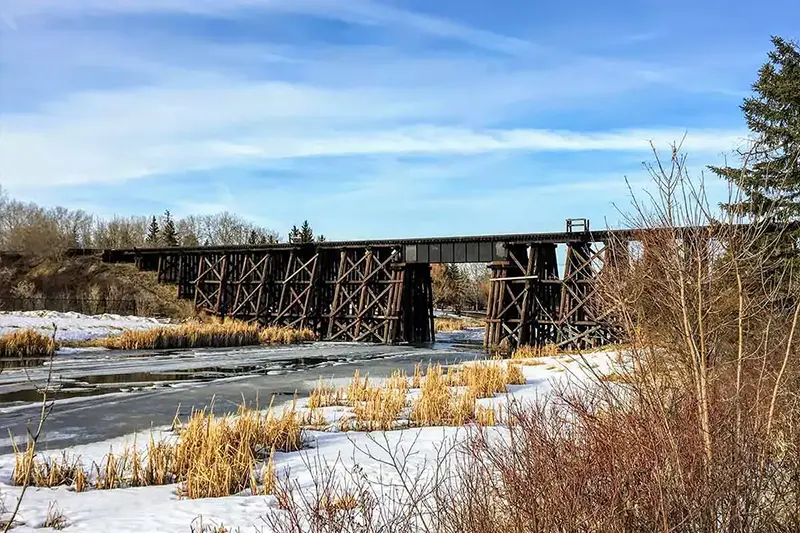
<point x="454" y="249"/>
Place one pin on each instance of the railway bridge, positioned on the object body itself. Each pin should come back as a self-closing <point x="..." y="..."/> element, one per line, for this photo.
<point x="381" y="291"/>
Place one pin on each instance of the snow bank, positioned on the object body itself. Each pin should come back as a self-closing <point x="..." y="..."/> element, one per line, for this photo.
<point x="158" y="508"/>
<point x="74" y="326"/>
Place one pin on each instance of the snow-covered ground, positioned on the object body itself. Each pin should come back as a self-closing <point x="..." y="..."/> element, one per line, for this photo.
<point x="159" y="509"/>
<point x="74" y="326"/>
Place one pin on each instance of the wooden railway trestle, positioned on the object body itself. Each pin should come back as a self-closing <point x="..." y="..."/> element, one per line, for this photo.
<point x="370" y="294"/>
<point x="542" y="289"/>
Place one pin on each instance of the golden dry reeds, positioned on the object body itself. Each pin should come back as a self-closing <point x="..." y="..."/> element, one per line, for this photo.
<point x="416" y="381"/>
<point x="359" y="390"/>
<point x="215" y="455"/>
<point x="398" y="380"/>
<point x="530" y="352"/>
<point x="380" y="411"/>
<point x="212" y="457"/>
<point x="438" y="405"/>
<point x="26" y="343"/>
<point x="285" y="335"/>
<point x="485" y="416"/>
<point x="514" y="375"/>
<point x="483" y="379"/>
<point x="448" y="324"/>
<point x="47" y="472"/>
<point x="324" y="395"/>
<point x="215" y="334"/>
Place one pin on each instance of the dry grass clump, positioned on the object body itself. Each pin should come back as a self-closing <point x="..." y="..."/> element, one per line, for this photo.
<point x="359" y="390"/>
<point x="26" y="343"/>
<point x="324" y="395"/>
<point x="285" y="335"/>
<point x="416" y="381"/>
<point x="617" y="377"/>
<point x="438" y="404"/>
<point x="213" y="457"/>
<point x="446" y="324"/>
<point x="55" y="518"/>
<point x="486" y="416"/>
<point x="515" y="376"/>
<point x="380" y="411"/>
<point x="449" y="324"/>
<point x="486" y="378"/>
<point x="530" y="352"/>
<point x="198" y="526"/>
<point x="217" y="334"/>
<point x="313" y="418"/>
<point x="482" y="379"/>
<point x="397" y="381"/>
<point x="49" y="472"/>
<point x="213" y="334"/>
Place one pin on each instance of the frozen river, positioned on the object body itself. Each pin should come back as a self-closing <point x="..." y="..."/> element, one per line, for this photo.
<point x="102" y="394"/>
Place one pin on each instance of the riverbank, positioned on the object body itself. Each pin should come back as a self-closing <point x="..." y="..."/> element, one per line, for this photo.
<point x="340" y="450"/>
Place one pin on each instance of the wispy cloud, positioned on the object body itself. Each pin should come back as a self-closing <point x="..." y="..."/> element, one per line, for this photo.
<point x="101" y="137"/>
<point x="363" y="12"/>
<point x="373" y="105"/>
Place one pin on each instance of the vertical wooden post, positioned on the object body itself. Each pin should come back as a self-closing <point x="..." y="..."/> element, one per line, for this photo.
<point x="525" y="327"/>
<point x="337" y="290"/>
<point x="223" y="277"/>
<point x="363" y="292"/>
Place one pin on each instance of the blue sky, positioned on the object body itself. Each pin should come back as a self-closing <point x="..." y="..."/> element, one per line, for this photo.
<point x="370" y="118"/>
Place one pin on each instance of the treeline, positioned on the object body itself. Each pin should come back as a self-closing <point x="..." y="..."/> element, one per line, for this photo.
<point x="460" y="287"/>
<point x="32" y="229"/>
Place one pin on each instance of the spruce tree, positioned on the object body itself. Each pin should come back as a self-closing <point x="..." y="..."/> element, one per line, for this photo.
<point x="294" y="234"/>
<point x="306" y="233"/>
<point x="169" y="235"/>
<point x="152" y="232"/>
<point x="770" y="176"/>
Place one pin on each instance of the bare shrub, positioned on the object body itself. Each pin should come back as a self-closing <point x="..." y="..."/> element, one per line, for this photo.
<point x="405" y="498"/>
<point x="698" y="431"/>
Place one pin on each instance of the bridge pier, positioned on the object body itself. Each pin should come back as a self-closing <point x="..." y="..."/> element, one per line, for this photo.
<point x="530" y="303"/>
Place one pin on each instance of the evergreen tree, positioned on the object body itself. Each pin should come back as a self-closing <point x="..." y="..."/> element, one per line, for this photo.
<point x="169" y="235"/>
<point x="294" y="234"/>
<point x="257" y="237"/>
<point x="306" y="233"/>
<point x="152" y="232"/>
<point x="770" y="181"/>
<point x="320" y="238"/>
<point x="302" y="235"/>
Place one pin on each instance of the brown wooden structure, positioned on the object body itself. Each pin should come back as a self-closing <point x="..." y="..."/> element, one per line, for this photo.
<point x="381" y="291"/>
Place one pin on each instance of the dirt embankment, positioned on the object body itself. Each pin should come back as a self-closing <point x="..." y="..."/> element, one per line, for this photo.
<point x="87" y="285"/>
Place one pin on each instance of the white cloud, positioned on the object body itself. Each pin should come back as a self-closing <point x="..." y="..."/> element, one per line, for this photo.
<point x="105" y="138"/>
<point x="364" y="12"/>
<point x="353" y="101"/>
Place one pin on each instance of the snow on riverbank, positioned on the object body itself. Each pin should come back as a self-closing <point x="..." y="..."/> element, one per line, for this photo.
<point x="159" y="509"/>
<point x="74" y="326"/>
